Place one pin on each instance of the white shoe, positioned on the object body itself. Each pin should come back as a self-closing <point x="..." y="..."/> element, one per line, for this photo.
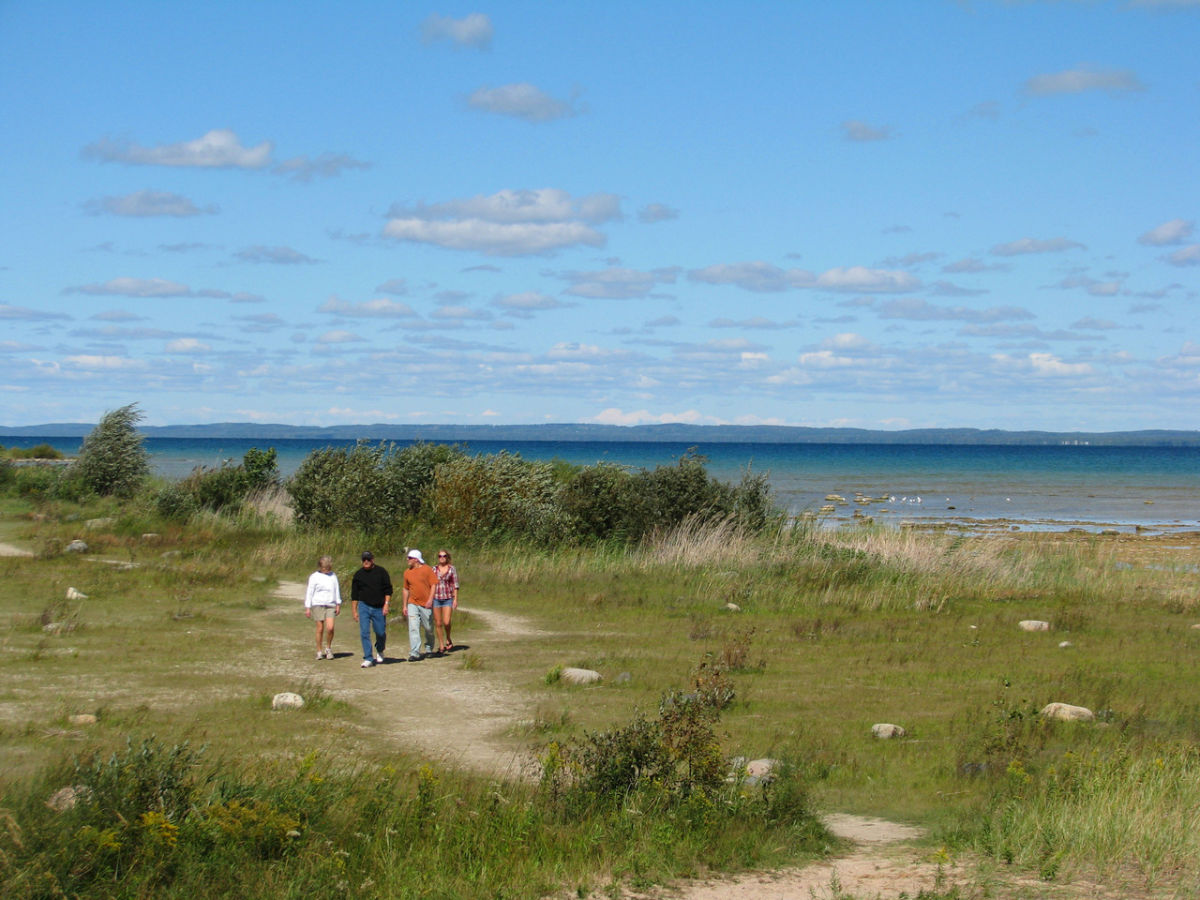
<point x="367" y="663"/>
<point x="329" y="653"/>
<point x="320" y="655"/>
<point x="378" y="660"/>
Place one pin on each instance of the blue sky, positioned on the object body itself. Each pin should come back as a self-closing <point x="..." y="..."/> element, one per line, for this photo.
<point x="870" y="214"/>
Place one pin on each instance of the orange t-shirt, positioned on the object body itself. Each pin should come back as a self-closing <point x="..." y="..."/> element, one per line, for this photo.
<point x="419" y="582"/>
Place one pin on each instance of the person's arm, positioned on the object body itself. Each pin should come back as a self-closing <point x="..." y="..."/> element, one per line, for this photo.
<point x="404" y="598"/>
<point x="337" y="596"/>
<point x="454" y="587"/>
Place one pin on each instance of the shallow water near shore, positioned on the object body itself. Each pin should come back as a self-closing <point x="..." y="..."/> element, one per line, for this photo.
<point x="1154" y="489"/>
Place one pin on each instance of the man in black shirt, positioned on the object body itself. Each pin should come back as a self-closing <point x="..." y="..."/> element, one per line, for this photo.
<point x="370" y="597"/>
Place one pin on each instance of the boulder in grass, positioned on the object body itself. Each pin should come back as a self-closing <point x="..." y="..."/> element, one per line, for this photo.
<point x="732" y="607"/>
<point x="1033" y="625"/>
<point x="73" y="594"/>
<point x="579" y="676"/>
<point x="762" y="768"/>
<point x="287" y="700"/>
<point x="1065" y="712"/>
<point x="886" y="731"/>
<point x="77" y="547"/>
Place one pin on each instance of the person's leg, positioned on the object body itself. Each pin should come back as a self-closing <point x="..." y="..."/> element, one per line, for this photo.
<point x="320" y="633"/>
<point x="427" y="624"/>
<point x="446" y="624"/>
<point x="414" y="630"/>
<point x="438" y="629"/>
<point x="329" y="635"/>
<point x="364" y="630"/>
<point x="380" y="633"/>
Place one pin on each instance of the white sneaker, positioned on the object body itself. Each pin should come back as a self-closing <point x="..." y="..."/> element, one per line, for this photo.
<point x="367" y="663"/>
<point x="329" y="653"/>
<point x="378" y="659"/>
<point x="320" y="655"/>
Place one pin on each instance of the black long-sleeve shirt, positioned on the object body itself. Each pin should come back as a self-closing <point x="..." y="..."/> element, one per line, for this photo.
<point x="371" y="586"/>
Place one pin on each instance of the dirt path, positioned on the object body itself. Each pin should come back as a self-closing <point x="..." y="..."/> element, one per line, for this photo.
<point x="449" y="713"/>
<point x="10" y="550"/>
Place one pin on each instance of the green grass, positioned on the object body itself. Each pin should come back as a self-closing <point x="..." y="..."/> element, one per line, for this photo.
<point x="835" y="632"/>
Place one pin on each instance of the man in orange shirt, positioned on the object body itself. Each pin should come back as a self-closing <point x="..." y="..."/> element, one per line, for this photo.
<point x="419" y="581"/>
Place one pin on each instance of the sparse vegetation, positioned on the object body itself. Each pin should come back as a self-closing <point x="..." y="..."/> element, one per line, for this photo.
<point x="112" y="459"/>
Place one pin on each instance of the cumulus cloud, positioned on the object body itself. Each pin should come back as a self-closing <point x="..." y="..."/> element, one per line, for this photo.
<point x="971" y="265"/>
<point x="397" y="287"/>
<point x="103" y="363"/>
<point x="474" y="30"/>
<point x="218" y="149"/>
<point x="656" y="212"/>
<point x="755" y="322"/>
<point x="461" y="314"/>
<point x="522" y="101"/>
<point x="1083" y="78"/>
<point x="1094" y="287"/>
<point x="326" y="165"/>
<point x="1034" y="245"/>
<point x="861" y="280"/>
<point x="1050" y="365"/>
<point x="148" y="203"/>
<point x="507" y="223"/>
<point x="615" y="416"/>
<point x="757" y="276"/>
<point x="1186" y="256"/>
<point x="1176" y="231"/>
<point x="618" y="283"/>
<point x="278" y="256"/>
<point x="855" y="130"/>
<point x="381" y="308"/>
<point x="339" y="337"/>
<point x="527" y="303"/>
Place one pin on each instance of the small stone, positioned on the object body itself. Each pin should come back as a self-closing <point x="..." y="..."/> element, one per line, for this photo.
<point x="732" y="607"/>
<point x="77" y="546"/>
<point x="886" y="731"/>
<point x="73" y="594"/>
<point x="761" y="768"/>
<point x="1065" y="712"/>
<point x="65" y="798"/>
<point x="104" y="522"/>
<point x="1063" y="645"/>
<point x="1033" y="625"/>
<point x="151" y="537"/>
<point x="171" y="554"/>
<point x="82" y="719"/>
<point x="579" y="676"/>
<point x="287" y="700"/>
<point x="52" y="627"/>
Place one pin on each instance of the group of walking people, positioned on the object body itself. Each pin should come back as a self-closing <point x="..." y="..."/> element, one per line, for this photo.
<point x="429" y="596"/>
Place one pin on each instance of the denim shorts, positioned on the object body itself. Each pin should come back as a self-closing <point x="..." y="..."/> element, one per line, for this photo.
<point x="442" y="604"/>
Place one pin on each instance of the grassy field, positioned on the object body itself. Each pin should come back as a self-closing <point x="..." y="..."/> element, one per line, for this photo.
<point x="182" y="637"/>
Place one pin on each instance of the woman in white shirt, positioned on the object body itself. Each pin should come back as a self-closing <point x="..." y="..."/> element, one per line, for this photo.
<point x="323" y="601"/>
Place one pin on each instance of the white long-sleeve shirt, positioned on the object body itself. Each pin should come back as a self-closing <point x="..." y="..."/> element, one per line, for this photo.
<point x="322" y="590"/>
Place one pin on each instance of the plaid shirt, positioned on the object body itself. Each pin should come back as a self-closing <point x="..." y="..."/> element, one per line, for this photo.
<point x="446" y="585"/>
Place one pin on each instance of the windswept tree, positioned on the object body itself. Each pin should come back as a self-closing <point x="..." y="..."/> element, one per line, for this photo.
<point x="112" y="459"/>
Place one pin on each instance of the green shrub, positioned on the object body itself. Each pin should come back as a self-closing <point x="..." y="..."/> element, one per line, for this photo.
<point x="41" y="451"/>
<point x="112" y="459"/>
<point x="175" y="502"/>
<point x="499" y="494"/>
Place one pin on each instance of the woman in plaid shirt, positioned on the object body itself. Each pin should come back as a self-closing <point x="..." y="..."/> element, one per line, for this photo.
<point x="445" y="600"/>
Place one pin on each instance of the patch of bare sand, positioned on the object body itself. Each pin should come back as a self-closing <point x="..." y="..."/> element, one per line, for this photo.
<point x="10" y="550"/>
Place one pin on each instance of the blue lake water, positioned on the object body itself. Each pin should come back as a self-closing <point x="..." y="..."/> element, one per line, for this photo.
<point x="1046" y="487"/>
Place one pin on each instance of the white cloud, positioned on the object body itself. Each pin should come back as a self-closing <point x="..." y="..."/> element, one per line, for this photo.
<point x="528" y="302"/>
<point x="338" y="336"/>
<point x="148" y="203"/>
<point x="618" y="283"/>
<point x="134" y="287"/>
<point x="847" y="341"/>
<point x="507" y="223"/>
<point x="327" y="165"/>
<point x="396" y="286"/>
<point x="495" y="239"/>
<point x="474" y="30"/>
<point x="279" y="256"/>
<point x="917" y="310"/>
<point x="188" y="345"/>
<point x="521" y="101"/>
<point x="461" y="314"/>
<point x="656" y="212"/>
<point x="757" y="276"/>
<point x="1034" y="245"/>
<point x="861" y="280"/>
<point x="509" y="206"/>
<point x="1050" y="365"/>
<point x="1186" y="256"/>
<point x="854" y="130"/>
<point x="218" y="149"/>
<point x="106" y="363"/>
<point x="381" y="308"/>
<point x="8" y="311"/>
<point x="614" y="416"/>
<point x="1176" y="231"/>
<point x="971" y="265"/>
<point x="1083" y="78"/>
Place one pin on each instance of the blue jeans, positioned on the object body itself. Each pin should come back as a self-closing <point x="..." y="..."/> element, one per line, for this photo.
<point x="371" y="617"/>
<point x="419" y="617"/>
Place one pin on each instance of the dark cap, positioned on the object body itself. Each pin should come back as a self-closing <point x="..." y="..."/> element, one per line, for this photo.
<point x="367" y="554"/>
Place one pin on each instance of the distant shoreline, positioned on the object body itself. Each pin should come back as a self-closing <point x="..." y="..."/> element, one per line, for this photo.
<point x="673" y="433"/>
